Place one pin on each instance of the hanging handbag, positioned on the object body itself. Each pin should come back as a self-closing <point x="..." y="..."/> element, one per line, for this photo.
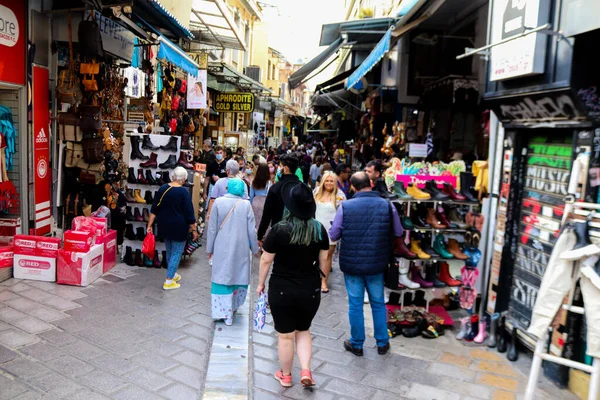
<point x="183" y="88"/>
<point x="91" y="174"/>
<point x="90" y="118"/>
<point x="68" y="89"/>
<point x="89" y="70"/>
<point x="73" y="205"/>
<point x="89" y="33"/>
<point x="74" y="154"/>
<point x="68" y="127"/>
<point x="175" y="102"/>
<point x="93" y="150"/>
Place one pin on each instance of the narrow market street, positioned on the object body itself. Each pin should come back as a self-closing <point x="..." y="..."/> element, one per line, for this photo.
<point x="123" y="337"/>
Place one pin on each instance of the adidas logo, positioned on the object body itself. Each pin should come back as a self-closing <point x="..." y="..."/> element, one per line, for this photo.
<point x="41" y="137"/>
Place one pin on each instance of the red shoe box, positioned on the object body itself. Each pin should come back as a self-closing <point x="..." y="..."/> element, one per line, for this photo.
<point x="47" y="246"/>
<point x="102" y="224"/>
<point x="35" y="268"/>
<point x="9" y="228"/>
<point x="6" y="256"/>
<point x="109" y="241"/>
<point x="79" y="241"/>
<point x="80" y="269"/>
<point x="25" y="245"/>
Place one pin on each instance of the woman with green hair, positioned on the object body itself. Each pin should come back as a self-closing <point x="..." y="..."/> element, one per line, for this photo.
<point x="296" y="246"/>
<point x="230" y="239"/>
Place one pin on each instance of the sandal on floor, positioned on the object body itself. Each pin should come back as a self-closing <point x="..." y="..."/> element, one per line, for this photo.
<point x="306" y="378"/>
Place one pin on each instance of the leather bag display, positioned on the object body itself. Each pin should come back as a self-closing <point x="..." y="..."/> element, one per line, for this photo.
<point x="68" y="127"/>
<point x="73" y="155"/>
<point x="68" y="89"/>
<point x="90" y="118"/>
<point x="93" y="150"/>
<point x="89" y="70"/>
<point x="89" y="33"/>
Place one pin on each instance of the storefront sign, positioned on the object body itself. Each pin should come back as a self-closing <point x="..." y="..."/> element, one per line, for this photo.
<point x="546" y="106"/>
<point x="417" y="150"/>
<point x="421" y="180"/>
<point x="239" y="102"/>
<point x="196" y="90"/>
<point x="12" y="41"/>
<point x="42" y="179"/>
<point x="523" y="56"/>
<point x="116" y="39"/>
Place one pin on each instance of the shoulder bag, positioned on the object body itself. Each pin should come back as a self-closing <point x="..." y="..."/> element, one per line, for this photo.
<point x="68" y="127"/>
<point x="228" y="215"/>
<point x="89" y="33"/>
<point x="68" y="89"/>
<point x="90" y="118"/>
<point x="74" y="154"/>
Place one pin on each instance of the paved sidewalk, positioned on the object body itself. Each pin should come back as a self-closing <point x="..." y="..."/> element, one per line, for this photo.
<point x="123" y="337"/>
<point x="440" y="369"/>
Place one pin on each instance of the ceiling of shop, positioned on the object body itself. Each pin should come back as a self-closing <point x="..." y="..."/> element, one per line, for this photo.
<point x="451" y="13"/>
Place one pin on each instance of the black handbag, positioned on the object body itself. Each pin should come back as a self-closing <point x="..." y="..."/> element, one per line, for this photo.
<point x="90" y="119"/>
<point x="89" y="35"/>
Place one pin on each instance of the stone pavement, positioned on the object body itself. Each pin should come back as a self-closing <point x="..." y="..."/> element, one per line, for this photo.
<point x="123" y="337"/>
<point x="440" y="369"/>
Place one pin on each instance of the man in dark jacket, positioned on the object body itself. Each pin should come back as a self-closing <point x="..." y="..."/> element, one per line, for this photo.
<point x="365" y="224"/>
<point x="374" y="170"/>
<point x="273" y="210"/>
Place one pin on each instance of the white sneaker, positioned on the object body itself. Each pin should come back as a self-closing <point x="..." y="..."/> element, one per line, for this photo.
<point x="366" y="298"/>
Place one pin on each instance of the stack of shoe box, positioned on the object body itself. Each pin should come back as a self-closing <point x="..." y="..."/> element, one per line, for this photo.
<point x="35" y="257"/>
<point x="6" y="262"/>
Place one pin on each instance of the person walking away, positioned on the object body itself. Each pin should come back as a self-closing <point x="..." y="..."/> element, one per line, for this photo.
<point x="259" y="189"/>
<point x="315" y="171"/>
<point x="214" y="171"/>
<point x="173" y="210"/>
<point x="296" y="245"/>
<point x="273" y="209"/>
<point x="231" y="237"/>
<point x="328" y="198"/>
<point x="343" y="172"/>
<point x="364" y="225"/>
<point x="220" y="189"/>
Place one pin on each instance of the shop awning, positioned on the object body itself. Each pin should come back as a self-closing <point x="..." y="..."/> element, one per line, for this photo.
<point x="299" y="76"/>
<point x="172" y="53"/>
<point x="159" y="17"/>
<point x="223" y="73"/>
<point x="338" y="79"/>
<point x="382" y="48"/>
<point x="214" y="25"/>
<point x="362" y="31"/>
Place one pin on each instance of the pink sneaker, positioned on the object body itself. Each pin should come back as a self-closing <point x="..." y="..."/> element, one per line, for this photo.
<point x="284" y="380"/>
<point x="306" y="378"/>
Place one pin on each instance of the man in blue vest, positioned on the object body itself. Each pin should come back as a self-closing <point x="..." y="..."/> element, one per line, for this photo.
<point x="366" y="225"/>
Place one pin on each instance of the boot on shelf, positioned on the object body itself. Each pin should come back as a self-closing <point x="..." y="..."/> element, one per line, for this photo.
<point x="137" y="195"/>
<point x="166" y="176"/>
<point x="170" y="163"/>
<point x="480" y="338"/>
<point x="417" y="193"/>
<point x="147" y="261"/>
<point x="433" y="221"/>
<point x="163" y="261"/>
<point x="128" y="214"/>
<point x="474" y="328"/>
<point x="185" y="142"/>
<point x="419" y="300"/>
<point x="406" y="223"/>
<point x="129" y="196"/>
<point x="492" y="340"/>
<point x="416" y="277"/>
<point x="152" y="162"/>
<point x="451" y="193"/>
<point x="145" y="215"/>
<point x="137" y="215"/>
<point x="140" y="177"/>
<point x="512" y="354"/>
<point x="466" y="182"/>
<point x="430" y="276"/>
<point x="128" y="258"/>
<point x="426" y="247"/>
<point x="400" y="191"/>
<point x="446" y="277"/>
<point x="150" y="178"/>
<point x="136" y="153"/>
<point x="159" y="178"/>
<point x="190" y="180"/>
<point x="171" y="146"/>
<point x="148" y="197"/>
<point x="455" y="218"/>
<point x="140" y="233"/>
<point x="401" y="250"/>
<point x="404" y="280"/>
<point x="138" y="258"/>
<point x="440" y="247"/>
<point x="454" y="248"/>
<point x="156" y="260"/>
<point x="147" y="144"/>
<point x="502" y="336"/>
<point x="441" y="216"/>
<point x="129" y="234"/>
<point x="434" y="192"/>
<point x="415" y="247"/>
<point x="183" y="162"/>
<point x="463" y="328"/>
<point x="131" y="176"/>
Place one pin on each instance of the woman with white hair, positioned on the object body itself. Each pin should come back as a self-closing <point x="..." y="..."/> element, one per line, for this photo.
<point x="174" y="212"/>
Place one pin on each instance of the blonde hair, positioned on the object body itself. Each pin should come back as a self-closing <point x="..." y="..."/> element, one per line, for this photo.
<point x="321" y="188"/>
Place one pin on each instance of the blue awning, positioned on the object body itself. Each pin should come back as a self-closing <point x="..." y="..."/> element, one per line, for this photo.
<point x="172" y="53"/>
<point x="169" y="19"/>
<point x="382" y="48"/>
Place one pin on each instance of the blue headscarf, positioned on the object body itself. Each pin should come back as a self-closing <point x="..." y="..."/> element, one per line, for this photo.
<point x="235" y="186"/>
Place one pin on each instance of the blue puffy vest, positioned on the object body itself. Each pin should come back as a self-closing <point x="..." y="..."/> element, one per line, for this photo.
<point x="366" y="234"/>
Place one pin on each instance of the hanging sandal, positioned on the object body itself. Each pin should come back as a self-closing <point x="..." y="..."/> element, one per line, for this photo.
<point x="306" y="378"/>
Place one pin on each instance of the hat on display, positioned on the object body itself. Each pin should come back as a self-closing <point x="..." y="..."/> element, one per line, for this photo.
<point x="299" y="200"/>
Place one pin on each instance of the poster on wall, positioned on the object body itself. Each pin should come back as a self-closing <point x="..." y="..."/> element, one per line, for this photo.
<point x="523" y="56"/>
<point x="12" y="41"/>
<point x="196" y="90"/>
<point x="42" y="180"/>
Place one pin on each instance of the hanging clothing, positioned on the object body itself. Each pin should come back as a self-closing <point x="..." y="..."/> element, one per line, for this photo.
<point x="9" y="132"/>
<point x="468" y="293"/>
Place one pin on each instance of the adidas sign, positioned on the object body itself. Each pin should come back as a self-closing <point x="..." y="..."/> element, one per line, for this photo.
<point x="41" y="137"/>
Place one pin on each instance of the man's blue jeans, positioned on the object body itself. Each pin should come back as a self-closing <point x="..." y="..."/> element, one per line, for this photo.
<point x="355" y="286"/>
<point x="174" y="252"/>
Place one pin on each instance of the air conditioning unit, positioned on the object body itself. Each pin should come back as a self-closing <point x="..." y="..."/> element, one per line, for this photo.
<point x="252" y="72"/>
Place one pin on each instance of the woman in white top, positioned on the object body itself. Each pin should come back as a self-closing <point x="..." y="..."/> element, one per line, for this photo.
<point x="328" y="199"/>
